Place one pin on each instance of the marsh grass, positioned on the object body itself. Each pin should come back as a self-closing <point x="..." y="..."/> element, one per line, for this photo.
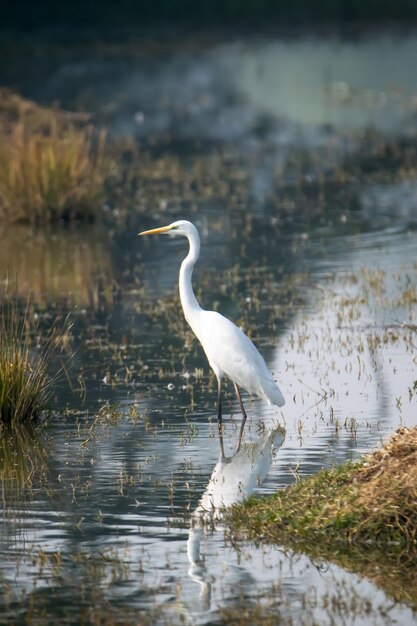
<point x="362" y="515"/>
<point x="53" y="173"/>
<point x="25" y="385"/>
<point x="23" y="462"/>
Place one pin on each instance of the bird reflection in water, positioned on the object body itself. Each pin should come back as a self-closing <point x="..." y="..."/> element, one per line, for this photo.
<point x="232" y="480"/>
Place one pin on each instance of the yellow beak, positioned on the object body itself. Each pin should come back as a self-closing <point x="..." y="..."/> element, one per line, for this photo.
<point x="156" y="231"/>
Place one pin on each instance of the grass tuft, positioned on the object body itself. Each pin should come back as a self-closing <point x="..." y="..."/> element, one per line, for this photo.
<point x="25" y="385"/>
<point x="47" y="176"/>
<point x="372" y="501"/>
<point x="362" y="515"/>
<point x="52" y="165"/>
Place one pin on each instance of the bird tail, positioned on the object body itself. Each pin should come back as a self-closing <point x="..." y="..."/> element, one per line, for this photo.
<point x="272" y="393"/>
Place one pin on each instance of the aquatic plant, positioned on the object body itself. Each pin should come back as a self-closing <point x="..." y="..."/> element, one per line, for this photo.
<point x="50" y="173"/>
<point x="25" y="385"/>
<point x="23" y="462"/>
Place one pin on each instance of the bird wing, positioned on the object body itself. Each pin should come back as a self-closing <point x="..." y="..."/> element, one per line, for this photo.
<point x="229" y="350"/>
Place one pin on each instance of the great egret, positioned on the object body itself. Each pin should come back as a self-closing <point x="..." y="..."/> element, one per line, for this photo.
<point x="229" y="351"/>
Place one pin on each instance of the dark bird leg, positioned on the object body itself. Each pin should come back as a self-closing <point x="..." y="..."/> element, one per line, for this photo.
<point x="219" y="415"/>
<point x="244" y="416"/>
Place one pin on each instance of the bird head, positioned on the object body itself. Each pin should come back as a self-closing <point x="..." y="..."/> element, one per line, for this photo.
<point x="182" y="227"/>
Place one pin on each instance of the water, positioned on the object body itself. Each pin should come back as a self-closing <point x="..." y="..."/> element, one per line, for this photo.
<point x="104" y="504"/>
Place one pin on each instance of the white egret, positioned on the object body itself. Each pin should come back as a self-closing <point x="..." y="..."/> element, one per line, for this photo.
<point x="229" y="351"/>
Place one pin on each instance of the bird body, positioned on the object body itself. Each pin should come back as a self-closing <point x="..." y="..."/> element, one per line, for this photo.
<point x="229" y="351"/>
<point x="232" y="354"/>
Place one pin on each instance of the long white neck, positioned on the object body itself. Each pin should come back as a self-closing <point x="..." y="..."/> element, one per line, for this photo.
<point x="189" y="302"/>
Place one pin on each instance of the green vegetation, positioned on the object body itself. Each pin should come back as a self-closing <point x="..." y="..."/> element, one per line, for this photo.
<point x="24" y="382"/>
<point x="361" y="515"/>
<point x="52" y="165"/>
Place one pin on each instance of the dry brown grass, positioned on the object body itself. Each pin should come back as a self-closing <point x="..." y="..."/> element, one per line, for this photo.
<point x="14" y="108"/>
<point x="387" y="482"/>
<point x="362" y="515"/>
<point x="51" y="166"/>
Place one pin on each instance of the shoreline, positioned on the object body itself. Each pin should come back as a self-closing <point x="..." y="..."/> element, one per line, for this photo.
<point x="361" y="515"/>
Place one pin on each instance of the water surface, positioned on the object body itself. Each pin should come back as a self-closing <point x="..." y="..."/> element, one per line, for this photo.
<point x="111" y="509"/>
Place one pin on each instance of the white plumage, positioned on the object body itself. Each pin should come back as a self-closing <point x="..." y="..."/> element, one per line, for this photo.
<point x="229" y="351"/>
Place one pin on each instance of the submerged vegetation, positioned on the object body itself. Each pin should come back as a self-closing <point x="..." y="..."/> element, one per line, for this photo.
<point x="362" y="515"/>
<point x="23" y="457"/>
<point x="51" y="166"/>
<point x="25" y="385"/>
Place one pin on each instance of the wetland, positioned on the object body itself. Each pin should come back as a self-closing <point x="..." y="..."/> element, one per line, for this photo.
<point x="296" y="158"/>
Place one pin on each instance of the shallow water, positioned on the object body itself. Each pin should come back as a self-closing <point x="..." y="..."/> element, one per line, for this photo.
<point x="111" y="511"/>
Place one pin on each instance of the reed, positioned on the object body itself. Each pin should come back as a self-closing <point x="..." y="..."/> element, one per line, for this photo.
<point x="52" y="172"/>
<point x="25" y="385"/>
